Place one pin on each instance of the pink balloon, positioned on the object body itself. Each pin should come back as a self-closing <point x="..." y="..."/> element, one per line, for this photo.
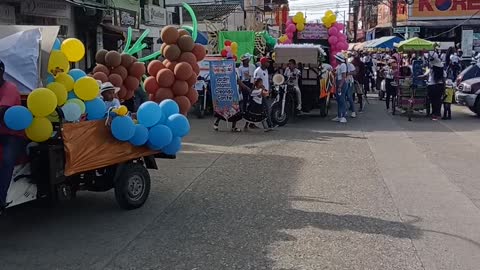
<point x="343" y="46"/>
<point x="291" y="28"/>
<point x="332" y="31"/>
<point x="228" y="48"/>
<point x="290" y="35"/>
<point x="339" y="26"/>
<point x="332" y="39"/>
<point x="289" y="21"/>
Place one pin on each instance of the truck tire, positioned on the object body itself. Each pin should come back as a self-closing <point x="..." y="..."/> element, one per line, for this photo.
<point x="132" y="186"/>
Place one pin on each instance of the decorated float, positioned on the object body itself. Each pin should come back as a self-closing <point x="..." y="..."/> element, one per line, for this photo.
<point x="77" y="143"/>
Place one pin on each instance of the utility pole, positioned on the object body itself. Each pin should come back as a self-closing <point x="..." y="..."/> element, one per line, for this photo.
<point x="355" y="19"/>
<point x="394" y="15"/>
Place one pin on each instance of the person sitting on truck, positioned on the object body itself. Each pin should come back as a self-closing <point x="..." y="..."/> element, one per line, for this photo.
<point x="12" y="143"/>
<point x="108" y="91"/>
<point x="293" y="73"/>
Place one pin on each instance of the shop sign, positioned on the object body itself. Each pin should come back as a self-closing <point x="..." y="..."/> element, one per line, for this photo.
<point x="7" y="14"/>
<point x="444" y="9"/>
<point x="126" y="18"/>
<point x="384" y="14"/>
<point x="467" y="42"/>
<point x="46" y="8"/>
<point x="313" y="31"/>
<point x="156" y="15"/>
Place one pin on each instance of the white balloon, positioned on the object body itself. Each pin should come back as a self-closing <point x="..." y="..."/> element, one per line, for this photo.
<point x="71" y="112"/>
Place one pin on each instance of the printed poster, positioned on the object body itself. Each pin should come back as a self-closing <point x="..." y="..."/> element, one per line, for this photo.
<point x="223" y="81"/>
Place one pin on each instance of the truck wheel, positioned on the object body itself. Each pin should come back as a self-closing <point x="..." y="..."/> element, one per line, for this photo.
<point x="133" y="186"/>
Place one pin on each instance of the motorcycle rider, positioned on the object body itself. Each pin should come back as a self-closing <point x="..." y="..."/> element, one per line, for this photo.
<point x="12" y="142"/>
<point x="293" y="73"/>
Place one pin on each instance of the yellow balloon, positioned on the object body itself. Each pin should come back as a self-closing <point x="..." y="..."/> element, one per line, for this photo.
<point x="295" y="19"/>
<point x="40" y="130"/>
<point x="234" y="46"/>
<point x="332" y="18"/>
<point x="73" y="49"/>
<point x="53" y="117"/>
<point x="58" y="63"/>
<point x="42" y="102"/>
<point x="299" y="14"/>
<point x="300" y="27"/>
<point x="60" y="92"/>
<point x="86" y="88"/>
<point x="328" y="25"/>
<point x="235" y="51"/>
<point x="122" y="110"/>
<point x="328" y="12"/>
<point x="66" y="80"/>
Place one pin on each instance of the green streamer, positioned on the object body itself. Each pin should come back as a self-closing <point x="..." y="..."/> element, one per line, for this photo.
<point x="149" y="57"/>
<point x="194" y="20"/>
<point x="137" y="49"/>
<point x="139" y="41"/>
<point x="129" y="39"/>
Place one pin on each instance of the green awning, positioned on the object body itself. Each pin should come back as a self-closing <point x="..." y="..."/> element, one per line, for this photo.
<point x="416" y="44"/>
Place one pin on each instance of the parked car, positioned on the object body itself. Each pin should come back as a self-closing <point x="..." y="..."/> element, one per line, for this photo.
<point x="468" y="94"/>
<point x="472" y="71"/>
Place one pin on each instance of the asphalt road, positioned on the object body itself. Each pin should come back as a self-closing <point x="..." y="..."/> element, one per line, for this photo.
<point x="377" y="193"/>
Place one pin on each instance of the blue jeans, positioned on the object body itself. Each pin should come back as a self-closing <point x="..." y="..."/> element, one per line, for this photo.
<point x="12" y="148"/>
<point x="341" y="110"/>
<point x="349" y="97"/>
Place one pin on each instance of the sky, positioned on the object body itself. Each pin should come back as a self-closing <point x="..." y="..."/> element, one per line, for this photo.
<point x="315" y="9"/>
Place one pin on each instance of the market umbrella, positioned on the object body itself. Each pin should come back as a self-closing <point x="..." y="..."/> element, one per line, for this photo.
<point x="416" y="44"/>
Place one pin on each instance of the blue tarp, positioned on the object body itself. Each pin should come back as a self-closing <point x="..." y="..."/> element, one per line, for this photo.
<point x="383" y="42"/>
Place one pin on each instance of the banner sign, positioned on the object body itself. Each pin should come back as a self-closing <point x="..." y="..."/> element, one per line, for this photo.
<point x="223" y="82"/>
<point x="313" y="31"/>
<point x="417" y="68"/>
<point x="444" y="9"/>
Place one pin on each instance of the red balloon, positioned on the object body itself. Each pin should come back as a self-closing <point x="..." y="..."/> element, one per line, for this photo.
<point x="151" y="85"/>
<point x="224" y="53"/>
<point x="235" y="57"/>
<point x="227" y="43"/>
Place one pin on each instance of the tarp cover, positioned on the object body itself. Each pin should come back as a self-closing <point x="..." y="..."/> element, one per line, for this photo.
<point x="89" y="145"/>
<point x="245" y="40"/>
<point x="383" y="42"/>
<point x="416" y="44"/>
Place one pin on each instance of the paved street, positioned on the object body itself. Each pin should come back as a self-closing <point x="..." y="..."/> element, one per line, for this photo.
<point x="377" y="193"/>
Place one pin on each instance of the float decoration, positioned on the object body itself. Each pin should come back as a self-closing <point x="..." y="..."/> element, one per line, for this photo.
<point x="296" y="24"/>
<point x="336" y="38"/>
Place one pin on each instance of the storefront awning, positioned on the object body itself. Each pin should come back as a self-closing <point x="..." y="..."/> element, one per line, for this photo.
<point x="383" y="42"/>
<point x="416" y="44"/>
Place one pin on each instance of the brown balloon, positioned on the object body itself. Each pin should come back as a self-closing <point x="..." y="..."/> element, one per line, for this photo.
<point x="154" y="67"/>
<point x="183" y="71"/>
<point x="100" y="56"/>
<point x="120" y="70"/>
<point x="162" y="94"/>
<point x="151" y="85"/>
<point x="151" y="97"/>
<point x="192" y="80"/>
<point x="165" y="78"/>
<point x="188" y="57"/>
<point x="115" y="79"/>
<point x="163" y="47"/>
<point x="172" y="52"/>
<point x="129" y="95"/>
<point x="137" y="69"/>
<point x="100" y="76"/>
<point x="101" y="68"/>
<point x="131" y="83"/>
<point x="185" y="43"/>
<point x="183" y="32"/>
<point x="196" y="69"/>
<point x="184" y="104"/>
<point x="199" y="51"/>
<point x="169" y="34"/>
<point x="180" y="88"/>
<point x="122" y="93"/>
<point x="127" y="60"/>
<point x="170" y="65"/>
<point x="113" y="59"/>
<point x="192" y="95"/>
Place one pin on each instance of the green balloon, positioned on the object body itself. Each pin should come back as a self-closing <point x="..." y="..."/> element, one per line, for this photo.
<point x="78" y="102"/>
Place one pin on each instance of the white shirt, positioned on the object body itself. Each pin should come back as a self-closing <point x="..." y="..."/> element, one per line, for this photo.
<point x="295" y="73"/>
<point x="350" y="69"/>
<point x="115" y="103"/>
<point x="200" y="85"/>
<point x="454" y="58"/>
<point x="257" y="95"/>
<point x="246" y="73"/>
<point x="262" y="74"/>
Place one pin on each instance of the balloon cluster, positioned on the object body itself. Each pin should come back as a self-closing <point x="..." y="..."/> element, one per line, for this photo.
<point x="175" y="77"/>
<point x="336" y="38"/>
<point x="297" y="23"/>
<point x="70" y="50"/>
<point x="230" y="50"/>
<point x="160" y="127"/>
<point x="269" y="40"/>
<point x="122" y="70"/>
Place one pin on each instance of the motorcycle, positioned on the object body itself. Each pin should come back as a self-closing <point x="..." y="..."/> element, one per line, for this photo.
<point x="284" y="100"/>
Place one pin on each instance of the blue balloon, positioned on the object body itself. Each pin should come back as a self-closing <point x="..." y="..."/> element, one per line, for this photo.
<point x="17" y="118"/>
<point x="153" y="147"/>
<point x="173" y="147"/>
<point x="123" y="128"/>
<point x="71" y="112"/>
<point x="149" y="114"/>
<point x="179" y="125"/>
<point x="71" y="95"/>
<point x="95" y="109"/>
<point x="50" y="79"/>
<point x="160" y="136"/>
<point x="77" y="74"/>
<point x="169" y="107"/>
<point x="140" y="137"/>
<point x="57" y="45"/>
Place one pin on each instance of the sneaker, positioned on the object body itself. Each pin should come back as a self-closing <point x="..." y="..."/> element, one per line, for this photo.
<point x="336" y="119"/>
<point x="343" y="120"/>
<point x="434" y="118"/>
<point x="353" y="115"/>
<point x="215" y="127"/>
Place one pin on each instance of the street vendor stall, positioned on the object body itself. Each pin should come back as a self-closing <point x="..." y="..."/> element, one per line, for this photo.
<point x="416" y="44"/>
<point x="383" y="43"/>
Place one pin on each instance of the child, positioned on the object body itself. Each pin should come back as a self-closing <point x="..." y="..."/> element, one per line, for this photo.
<point x="258" y="106"/>
<point x="108" y="92"/>
<point x="448" y="100"/>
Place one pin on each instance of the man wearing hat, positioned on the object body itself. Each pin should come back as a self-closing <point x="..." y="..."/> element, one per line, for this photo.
<point x="108" y="92"/>
<point x="12" y="142"/>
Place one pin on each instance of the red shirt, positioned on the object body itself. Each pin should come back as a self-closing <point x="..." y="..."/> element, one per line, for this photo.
<point x="9" y="96"/>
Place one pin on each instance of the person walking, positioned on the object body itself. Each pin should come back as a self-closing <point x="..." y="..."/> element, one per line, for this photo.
<point x="341" y="88"/>
<point x="361" y="79"/>
<point x="351" y="71"/>
<point x="391" y="90"/>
